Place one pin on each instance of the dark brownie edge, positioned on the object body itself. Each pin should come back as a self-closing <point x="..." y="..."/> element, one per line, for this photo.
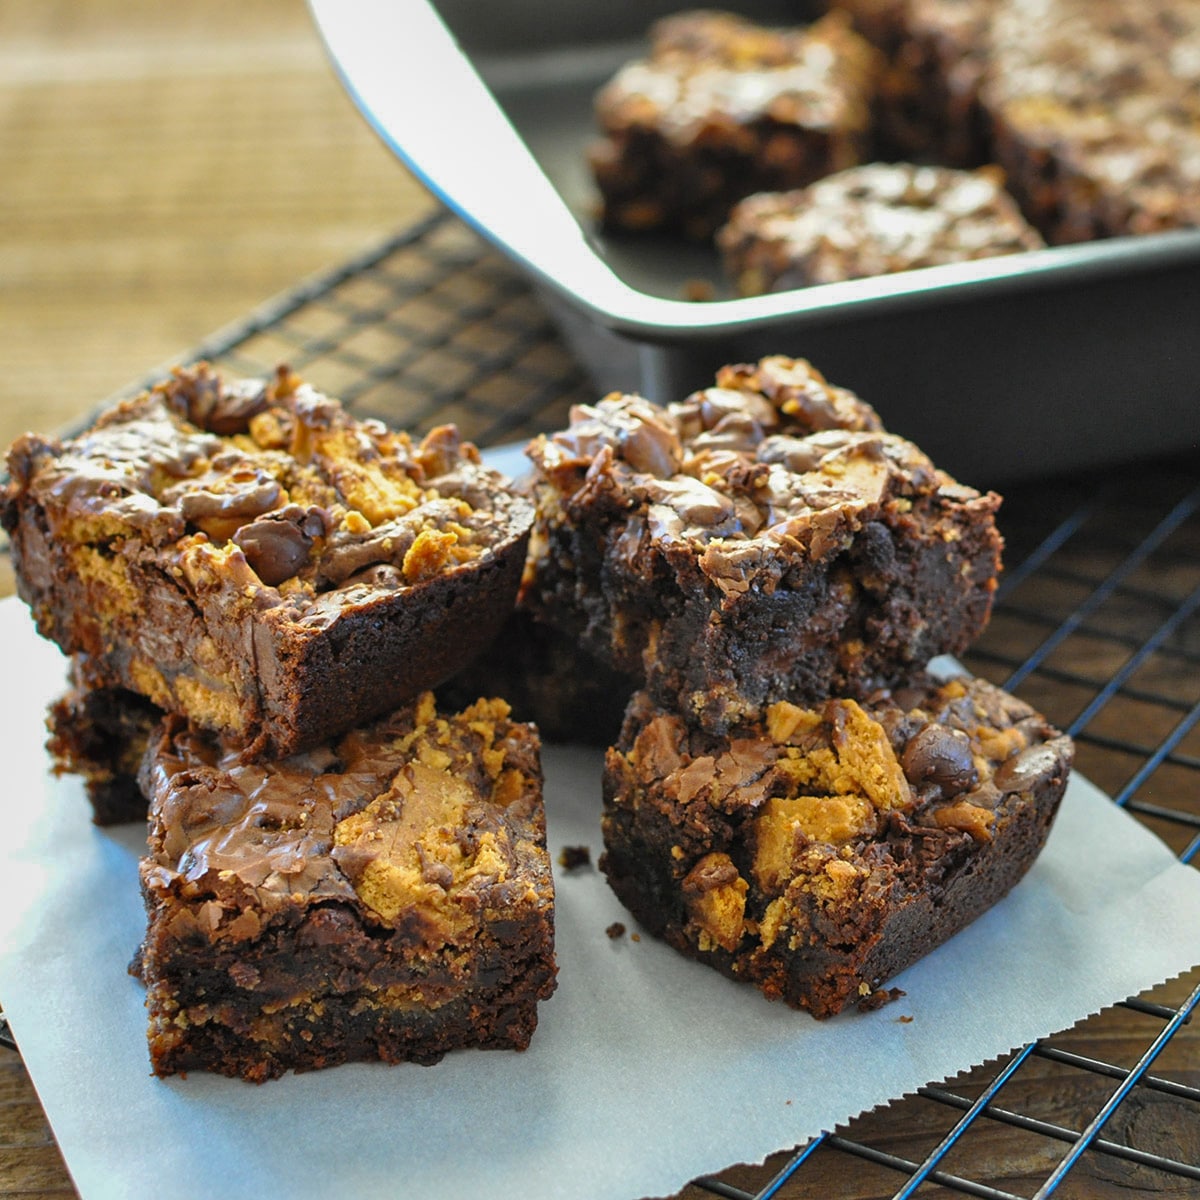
<point x="100" y="737"/>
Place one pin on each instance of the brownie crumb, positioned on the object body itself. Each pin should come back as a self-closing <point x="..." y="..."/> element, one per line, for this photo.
<point x="615" y="930"/>
<point x="878" y="998"/>
<point x="573" y="857"/>
<point x="904" y="1020"/>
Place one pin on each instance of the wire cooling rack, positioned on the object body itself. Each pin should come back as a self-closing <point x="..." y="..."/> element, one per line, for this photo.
<point x="427" y="328"/>
<point x="1097" y="624"/>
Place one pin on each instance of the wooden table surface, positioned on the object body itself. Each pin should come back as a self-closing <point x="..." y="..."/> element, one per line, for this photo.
<point x="167" y="167"/>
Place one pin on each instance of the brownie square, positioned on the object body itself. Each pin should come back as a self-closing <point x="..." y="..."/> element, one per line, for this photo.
<point x="763" y="540"/>
<point x="385" y="896"/>
<point x="816" y="852"/>
<point x="1090" y="106"/>
<point x="871" y="220"/>
<point x="251" y="556"/>
<point x="721" y="108"/>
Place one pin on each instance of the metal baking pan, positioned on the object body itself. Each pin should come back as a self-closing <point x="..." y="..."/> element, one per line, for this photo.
<point x="1012" y="367"/>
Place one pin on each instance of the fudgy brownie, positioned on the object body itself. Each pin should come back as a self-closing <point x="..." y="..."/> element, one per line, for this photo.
<point x="251" y="556"/>
<point x="1094" y="108"/>
<point x="101" y="734"/>
<point x="721" y="108"/>
<point x="763" y="540"/>
<point x="816" y="852"/>
<point x="548" y="679"/>
<point x="935" y="52"/>
<point x="871" y="220"/>
<point x="385" y="896"/>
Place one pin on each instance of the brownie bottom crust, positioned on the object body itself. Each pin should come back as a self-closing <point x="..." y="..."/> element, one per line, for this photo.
<point x="819" y="852"/>
<point x="341" y="992"/>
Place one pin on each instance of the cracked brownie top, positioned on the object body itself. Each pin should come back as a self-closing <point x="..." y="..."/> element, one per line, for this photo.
<point x="772" y="466"/>
<point x="421" y="819"/>
<point x="272" y="483"/>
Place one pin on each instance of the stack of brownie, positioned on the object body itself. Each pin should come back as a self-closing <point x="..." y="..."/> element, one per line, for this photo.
<point x="792" y="799"/>
<point x="257" y="593"/>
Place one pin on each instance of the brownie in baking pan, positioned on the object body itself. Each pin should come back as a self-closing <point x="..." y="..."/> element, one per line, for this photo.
<point x="935" y="58"/>
<point x="721" y="107"/>
<point x="1094" y="107"/>
<point x="764" y="539"/>
<point x="871" y="220"/>
<point x="387" y="895"/>
<point x="100" y="735"/>
<point x="251" y="556"/>
<point x="817" y="852"/>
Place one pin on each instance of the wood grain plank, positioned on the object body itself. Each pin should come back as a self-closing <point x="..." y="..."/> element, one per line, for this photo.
<point x="166" y="169"/>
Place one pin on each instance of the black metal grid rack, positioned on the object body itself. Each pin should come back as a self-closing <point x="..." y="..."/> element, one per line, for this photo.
<point x="424" y="329"/>
<point x="1097" y="624"/>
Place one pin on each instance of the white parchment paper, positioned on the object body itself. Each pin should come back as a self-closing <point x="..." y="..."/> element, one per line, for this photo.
<point x="645" y="1071"/>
